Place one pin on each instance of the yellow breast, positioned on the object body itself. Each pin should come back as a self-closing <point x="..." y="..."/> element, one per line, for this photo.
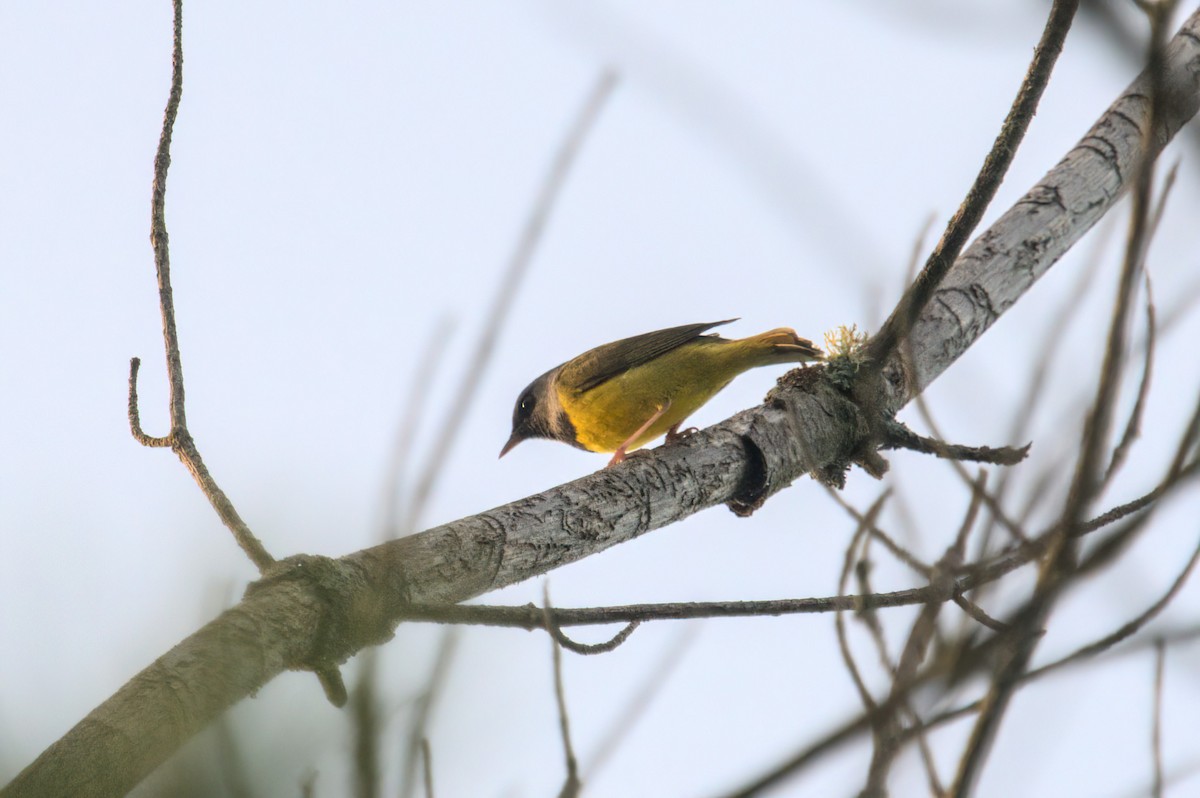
<point x="605" y="416"/>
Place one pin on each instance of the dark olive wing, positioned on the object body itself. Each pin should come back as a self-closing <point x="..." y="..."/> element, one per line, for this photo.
<point x="601" y="364"/>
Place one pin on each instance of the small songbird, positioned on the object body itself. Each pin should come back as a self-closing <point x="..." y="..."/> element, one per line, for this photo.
<point x="620" y="396"/>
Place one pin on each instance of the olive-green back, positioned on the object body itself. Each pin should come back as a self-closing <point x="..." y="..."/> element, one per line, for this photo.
<point x="597" y="366"/>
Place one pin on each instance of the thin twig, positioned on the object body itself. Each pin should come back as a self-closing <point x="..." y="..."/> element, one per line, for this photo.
<point x="529" y="616"/>
<point x="975" y="611"/>
<point x="1091" y="651"/>
<point x="1133" y="426"/>
<point x="1125" y="630"/>
<point x="839" y="618"/>
<point x="410" y="421"/>
<point x="135" y="422"/>
<point x="571" y="784"/>
<point x="978" y="490"/>
<point x="159" y="238"/>
<point x="423" y="711"/>
<point x="364" y="718"/>
<point x="427" y="766"/>
<point x="888" y="729"/>
<point x="901" y="437"/>
<point x="995" y="165"/>
<point x="364" y="709"/>
<point x="1187" y="441"/>
<point x="522" y="256"/>
<point x="993" y="502"/>
<point x="901" y="553"/>
<point x="851" y="729"/>
<point x="589" y="648"/>
<point x="179" y="438"/>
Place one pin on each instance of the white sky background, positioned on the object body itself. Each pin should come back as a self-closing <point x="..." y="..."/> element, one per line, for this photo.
<point x="346" y="176"/>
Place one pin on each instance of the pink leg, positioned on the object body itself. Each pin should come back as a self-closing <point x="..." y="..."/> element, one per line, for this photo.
<point x="619" y="454"/>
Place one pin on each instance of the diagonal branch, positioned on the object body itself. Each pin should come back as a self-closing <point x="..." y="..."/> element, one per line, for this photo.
<point x="1029" y="238"/>
<point x="522" y="256"/>
<point x="995" y="165"/>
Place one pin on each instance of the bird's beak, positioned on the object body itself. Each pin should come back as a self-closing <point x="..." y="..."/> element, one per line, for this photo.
<point x="513" y="440"/>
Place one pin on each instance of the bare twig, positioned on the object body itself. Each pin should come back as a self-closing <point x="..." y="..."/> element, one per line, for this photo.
<point x="522" y="256"/>
<point x="364" y="707"/>
<point x="576" y="647"/>
<point x="1133" y="426"/>
<point x="571" y="784"/>
<point x="1013" y="454"/>
<point x="975" y="611"/>
<point x="1090" y="651"/>
<point x="410" y="421"/>
<point x="423" y="711"/>
<point x="995" y="166"/>
<point x="978" y="491"/>
<point x="364" y="717"/>
<point x="859" y="537"/>
<point x="901" y="553"/>
<point x="427" y="766"/>
<point x="159" y="239"/>
<point x="1125" y="630"/>
<point x="851" y="729"/>
<point x="135" y="422"/>
<point x="179" y="438"/>
<point x="308" y="785"/>
<point x="888" y="729"/>
<point x="901" y="437"/>
<point x="1187" y="441"/>
<point x="529" y="616"/>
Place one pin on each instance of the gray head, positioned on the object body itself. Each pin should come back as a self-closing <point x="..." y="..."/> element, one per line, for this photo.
<point x="539" y="414"/>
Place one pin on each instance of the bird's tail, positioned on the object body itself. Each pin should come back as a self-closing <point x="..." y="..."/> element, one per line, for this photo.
<point x="782" y="345"/>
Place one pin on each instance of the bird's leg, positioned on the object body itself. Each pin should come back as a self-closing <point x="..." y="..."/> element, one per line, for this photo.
<point x="619" y="454"/>
<point x="676" y="434"/>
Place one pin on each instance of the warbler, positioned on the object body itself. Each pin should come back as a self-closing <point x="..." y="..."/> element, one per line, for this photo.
<point x="620" y="396"/>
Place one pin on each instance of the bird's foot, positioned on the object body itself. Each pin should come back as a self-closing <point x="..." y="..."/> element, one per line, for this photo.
<point x="676" y="434"/>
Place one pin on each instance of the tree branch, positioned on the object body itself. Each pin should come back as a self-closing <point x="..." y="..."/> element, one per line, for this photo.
<point x="987" y="182"/>
<point x="1000" y="265"/>
<point x="179" y="438"/>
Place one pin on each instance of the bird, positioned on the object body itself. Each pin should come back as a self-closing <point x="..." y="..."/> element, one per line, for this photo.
<point x="622" y="395"/>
